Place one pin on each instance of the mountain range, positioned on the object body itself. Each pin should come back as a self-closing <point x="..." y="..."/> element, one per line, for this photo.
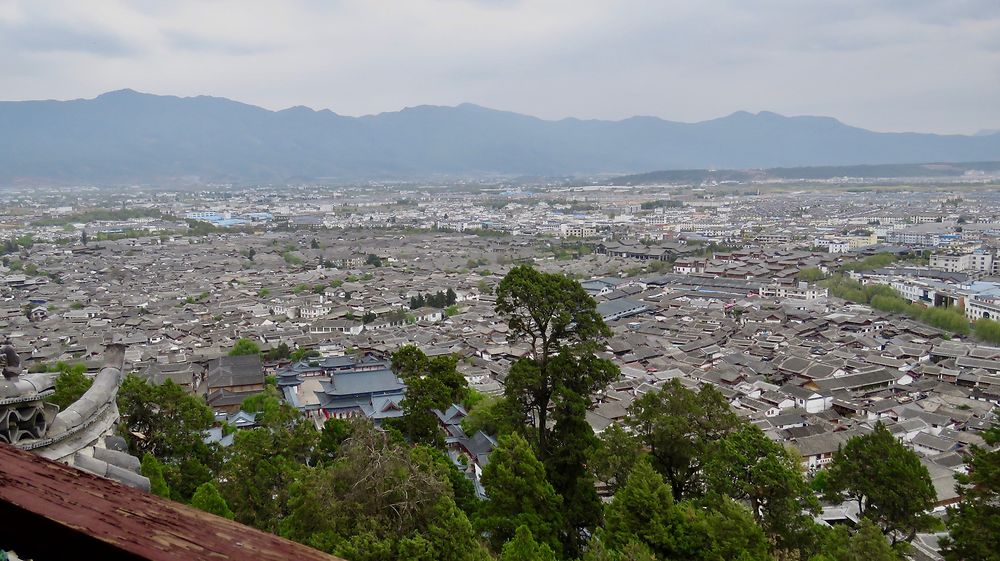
<point x="130" y="137"/>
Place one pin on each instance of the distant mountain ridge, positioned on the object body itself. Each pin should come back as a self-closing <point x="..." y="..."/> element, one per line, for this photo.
<point x="943" y="171"/>
<point x="127" y="136"/>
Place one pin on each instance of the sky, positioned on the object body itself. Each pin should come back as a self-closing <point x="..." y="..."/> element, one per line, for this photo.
<point x="886" y="65"/>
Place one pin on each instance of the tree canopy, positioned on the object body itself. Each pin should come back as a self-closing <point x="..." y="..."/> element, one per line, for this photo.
<point x="892" y="488"/>
<point x="519" y="495"/>
<point x="245" y="347"/>
<point x="974" y="523"/>
<point x="679" y="427"/>
<point x="71" y="383"/>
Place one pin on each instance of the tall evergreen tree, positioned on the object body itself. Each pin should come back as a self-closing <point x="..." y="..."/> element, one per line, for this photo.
<point x="207" y="498"/>
<point x="519" y="495"/>
<point x="151" y="468"/>
<point x="974" y="523"/>
<point x="523" y="547"/>
<point x="559" y="321"/>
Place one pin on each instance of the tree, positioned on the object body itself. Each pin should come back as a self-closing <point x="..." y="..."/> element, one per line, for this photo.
<point x="988" y="330"/>
<point x="167" y="422"/>
<point x="974" y="524"/>
<point x="493" y="415"/>
<point x="615" y="456"/>
<point x="450" y="297"/>
<point x="750" y="467"/>
<point x="163" y="420"/>
<point x="70" y="384"/>
<point x="519" y="495"/>
<point x="282" y="351"/>
<point x="314" y="244"/>
<point x="251" y="253"/>
<point x="207" y="498"/>
<point x="867" y="544"/>
<point x="431" y="383"/>
<point x="151" y="468"/>
<point x="811" y="274"/>
<point x="255" y="479"/>
<point x="679" y="428"/>
<point x="644" y="511"/>
<point x="641" y="510"/>
<point x="892" y="488"/>
<point x="373" y="260"/>
<point x="380" y="500"/>
<point x="523" y="547"/>
<point x="560" y="322"/>
<point x="573" y="443"/>
<point x="245" y="347"/>
<point x="333" y="435"/>
<point x="83" y="237"/>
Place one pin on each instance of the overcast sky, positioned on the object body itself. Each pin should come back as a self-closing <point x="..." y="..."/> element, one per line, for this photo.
<point x="890" y="65"/>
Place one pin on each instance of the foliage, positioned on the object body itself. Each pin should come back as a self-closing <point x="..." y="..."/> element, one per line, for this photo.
<point x="167" y="423"/>
<point x="431" y="383"/>
<point x="644" y="511"/>
<point x="380" y="500"/>
<point x="988" y="330"/>
<point x="891" y="486"/>
<point x="100" y="215"/>
<point x="492" y="415"/>
<point x="751" y="468"/>
<point x="255" y="478"/>
<point x="974" y="524"/>
<point x="616" y="454"/>
<point x="153" y="469"/>
<point x="523" y="547"/>
<point x="292" y="258"/>
<point x="679" y="428"/>
<point x="870" y="263"/>
<point x="71" y="383"/>
<point x="884" y="298"/>
<point x="572" y="445"/>
<point x="811" y="274"/>
<point x="331" y="437"/>
<point x="303" y="353"/>
<point x="282" y="351"/>
<point x="245" y="347"/>
<point x="559" y="320"/>
<point x="440" y="299"/>
<point x="867" y="544"/>
<point x="519" y="495"/>
<point x="373" y="260"/>
<point x="163" y="420"/>
<point x="208" y="498"/>
<point x="661" y="203"/>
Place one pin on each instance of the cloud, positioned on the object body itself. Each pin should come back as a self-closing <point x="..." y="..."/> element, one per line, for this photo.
<point x="55" y="37"/>
<point x="182" y="40"/>
<point x="883" y="64"/>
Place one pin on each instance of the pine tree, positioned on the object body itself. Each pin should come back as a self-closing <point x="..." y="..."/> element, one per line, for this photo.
<point x="153" y="469"/>
<point x="974" y="524"/>
<point x="524" y="548"/>
<point x="519" y="495"/>
<point x="207" y="497"/>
